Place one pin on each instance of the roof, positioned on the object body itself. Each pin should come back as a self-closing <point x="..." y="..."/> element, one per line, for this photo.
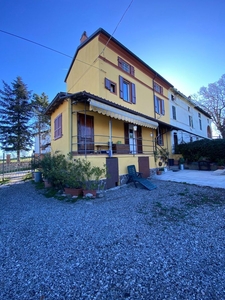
<point x="85" y="97"/>
<point x="100" y="30"/>
<point x="59" y="98"/>
<point x="192" y="102"/>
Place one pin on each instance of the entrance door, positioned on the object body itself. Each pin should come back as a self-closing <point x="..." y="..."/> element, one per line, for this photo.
<point x="132" y="139"/>
<point x="85" y="133"/>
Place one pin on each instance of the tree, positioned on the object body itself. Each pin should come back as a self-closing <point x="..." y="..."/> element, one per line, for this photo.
<point x="212" y="100"/>
<point x="41" y="121"/>
<point x="15" y="116"/>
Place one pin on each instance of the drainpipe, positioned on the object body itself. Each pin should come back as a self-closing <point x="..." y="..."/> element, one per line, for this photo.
<point x="110" y="137"/>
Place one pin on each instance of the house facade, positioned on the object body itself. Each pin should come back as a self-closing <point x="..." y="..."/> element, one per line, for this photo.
<point x="116" y="110"/>
<point x="190" y="123"/>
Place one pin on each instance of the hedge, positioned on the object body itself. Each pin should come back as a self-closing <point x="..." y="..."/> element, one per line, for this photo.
<point x="212" y="150"/>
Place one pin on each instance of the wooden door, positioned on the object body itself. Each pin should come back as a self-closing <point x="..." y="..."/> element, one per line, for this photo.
<point x="113" y="172"/>
<point x="85" y="133"/>
<point x="143" y="164"/>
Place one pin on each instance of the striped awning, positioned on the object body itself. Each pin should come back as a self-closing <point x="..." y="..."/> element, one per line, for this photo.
<point x="119" y="114"/>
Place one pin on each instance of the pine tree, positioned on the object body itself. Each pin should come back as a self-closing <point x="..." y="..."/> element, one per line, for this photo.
<point x="15" y="117"/>
<point x="41" y="121"/>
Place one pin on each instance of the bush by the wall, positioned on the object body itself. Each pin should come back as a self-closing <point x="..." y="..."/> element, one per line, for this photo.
<point x="212" y="150"/>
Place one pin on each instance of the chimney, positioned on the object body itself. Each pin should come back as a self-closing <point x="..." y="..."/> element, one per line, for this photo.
<point x="83" y="37"/>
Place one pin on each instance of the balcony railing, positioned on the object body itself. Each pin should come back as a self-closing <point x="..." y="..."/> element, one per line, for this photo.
<point x="102" y="144"/>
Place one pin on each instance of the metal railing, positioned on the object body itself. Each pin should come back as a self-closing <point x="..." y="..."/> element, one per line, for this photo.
<point x="102" y="144"/>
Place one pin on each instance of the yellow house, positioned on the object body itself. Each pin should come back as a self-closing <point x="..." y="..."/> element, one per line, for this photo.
<point x="115" y="110"/>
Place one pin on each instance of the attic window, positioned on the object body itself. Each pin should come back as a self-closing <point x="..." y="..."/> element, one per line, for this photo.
<point x="158" y="88"/>
<point x="122" y="64"/>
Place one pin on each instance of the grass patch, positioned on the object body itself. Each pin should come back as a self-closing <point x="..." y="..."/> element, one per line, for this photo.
<point x="4" y="181"/>
<point x="204" y="199"/>
<point x="168" y="213"/>
<point x="27" y="177"/>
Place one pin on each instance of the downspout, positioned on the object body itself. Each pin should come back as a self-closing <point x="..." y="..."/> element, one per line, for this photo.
<point x="85" y="123"/>
<point x="110" y="137"/>
<point x="155" y="142"/>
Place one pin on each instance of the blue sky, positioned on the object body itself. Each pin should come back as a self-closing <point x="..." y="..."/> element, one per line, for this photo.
<point x="184" y="41"/>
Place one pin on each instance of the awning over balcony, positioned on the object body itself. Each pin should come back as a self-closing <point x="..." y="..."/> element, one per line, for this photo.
<point x="119" y="114"/>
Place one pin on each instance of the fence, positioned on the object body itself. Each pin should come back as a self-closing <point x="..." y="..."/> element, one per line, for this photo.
<point x="14" y="171"/>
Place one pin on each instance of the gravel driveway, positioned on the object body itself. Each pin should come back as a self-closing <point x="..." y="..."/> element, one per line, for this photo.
<point x="133" y="243"/>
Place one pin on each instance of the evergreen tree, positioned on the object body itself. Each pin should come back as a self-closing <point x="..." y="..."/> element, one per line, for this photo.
<point x="15" y="117"/>
<point x="41" y="121"/>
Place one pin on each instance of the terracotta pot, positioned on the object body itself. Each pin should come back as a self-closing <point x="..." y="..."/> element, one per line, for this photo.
<point x="73" y="191"/>
<point x="47" y="184"/>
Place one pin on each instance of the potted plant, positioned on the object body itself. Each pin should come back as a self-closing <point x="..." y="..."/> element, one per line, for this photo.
<point x="162" y="156"/>
<point x="181" y="163"/>
<point x="92" y="177"/>
<point x="74" y="176"/>
<point x="54" y="169"/>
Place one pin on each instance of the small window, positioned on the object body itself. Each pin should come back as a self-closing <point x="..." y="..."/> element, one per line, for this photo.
<point x="190" y="121"/>
<point x="189" y="109"/>
<point x="58" y="127"/>
<point x="174" y="112"/>
<point x="199" y="115"/>
<point x="158" y="88"/>
<point x="111" y="86"/>
<point x="127" y="90"/>
<point x="159" y="106"/>
<point x="200" y="124"/>
<point x="125" y="66"/>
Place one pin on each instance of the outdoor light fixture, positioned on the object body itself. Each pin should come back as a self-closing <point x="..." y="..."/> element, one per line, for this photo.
<point x="135" y="128"/>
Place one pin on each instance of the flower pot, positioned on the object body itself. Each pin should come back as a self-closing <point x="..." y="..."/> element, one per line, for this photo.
<point x="73" y="191"/>
<point x="47" y="184"/>
<point x="158" y="172"/>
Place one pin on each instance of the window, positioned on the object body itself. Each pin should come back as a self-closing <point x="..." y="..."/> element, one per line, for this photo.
<point x="122" y="64"/>
<point x="127" y="90"/>
<point x="58" y="127"/>
<point x="174" y="112"/>
<point x="159" y="106"/>
<point x="189" y="109"/>
<point x="200" y="124"/>
<point x="190" y="121"/>
<point x="199" y="115"/>
<point x="111" y="86"/>
<point x="158" y="88"/>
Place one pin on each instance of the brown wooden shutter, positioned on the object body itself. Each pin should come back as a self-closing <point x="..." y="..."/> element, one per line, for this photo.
<point x="156" y="104"/>
<point x="162" y="107"/>
<point x="60" y="125"/>
<point x="119" y="62"/>
<point x="121" y="86"/>
<point x="133" y="93"/>
<point x="126" y="133"/>
<point x="139" y="139"/>
<point x="132" y="70"/>
<point x="107" y="84"/>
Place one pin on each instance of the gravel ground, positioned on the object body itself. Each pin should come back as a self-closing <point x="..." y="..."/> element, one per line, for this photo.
<point x="131" y="244"/>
